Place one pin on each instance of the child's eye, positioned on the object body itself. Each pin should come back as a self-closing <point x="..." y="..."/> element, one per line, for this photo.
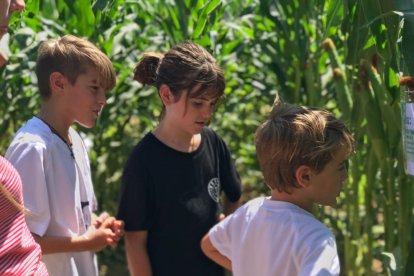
<point x="94" y="89"/>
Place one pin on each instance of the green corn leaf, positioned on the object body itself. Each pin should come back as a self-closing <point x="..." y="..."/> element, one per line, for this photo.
<point x="85" y="17"/>
<point x="201" y="23"/>
<point x="212" y="6"/>
<point x="173" y="15"/>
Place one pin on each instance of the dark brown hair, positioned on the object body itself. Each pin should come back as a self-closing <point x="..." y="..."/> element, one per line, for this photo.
<point x="185" y="67"/>
<point x="71" y="56"/>
<point x="298" y="135"/>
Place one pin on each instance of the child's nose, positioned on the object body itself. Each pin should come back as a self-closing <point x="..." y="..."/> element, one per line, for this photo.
<point x="17" y="6"/>
<point x="207" y="112"/>
<point x="102" y="99"/>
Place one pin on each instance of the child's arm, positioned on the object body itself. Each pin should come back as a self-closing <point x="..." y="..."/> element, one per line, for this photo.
<point x="93" y="240"/>
<point x="228" y="206"/>
<point x="211" y="252"/>
<point x="137" y="255"/>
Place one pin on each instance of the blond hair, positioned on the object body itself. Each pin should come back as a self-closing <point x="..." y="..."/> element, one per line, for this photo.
<point x="12" y="200"/>
<point x="71" y="56"/>
<point x="298" y="135"/>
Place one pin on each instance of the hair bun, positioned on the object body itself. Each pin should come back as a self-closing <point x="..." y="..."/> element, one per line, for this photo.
<point x="146" y="70"/>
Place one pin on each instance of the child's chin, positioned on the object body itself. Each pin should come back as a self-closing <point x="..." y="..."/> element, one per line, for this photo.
<point x="86" y="124"/>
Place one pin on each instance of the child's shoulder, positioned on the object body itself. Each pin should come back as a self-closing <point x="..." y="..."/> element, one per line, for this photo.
<point x="255" y="203"/>
<point x="208" y="132"/>
<point x="32" y="139"/>
<point x="145" y="146"/>
<point x="34" y="131"/>
<point x="306" y="229"/>
<point x="310" y="231"/>
<point x="251" y="207"/>
<point x="289" y="214"/>
<point x="211" y="136"/>
<point x="302" y="220"/>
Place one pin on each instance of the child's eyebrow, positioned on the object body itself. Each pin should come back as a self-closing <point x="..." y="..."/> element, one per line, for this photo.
<point x="96" y="83"/>
<point x="204" y="98"/>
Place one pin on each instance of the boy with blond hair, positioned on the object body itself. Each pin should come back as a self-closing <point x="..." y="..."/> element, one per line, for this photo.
<point x="51" y="157"/>
<point x="302" y="153"/>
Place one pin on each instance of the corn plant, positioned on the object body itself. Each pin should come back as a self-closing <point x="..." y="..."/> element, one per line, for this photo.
<point x="345" y="56"/>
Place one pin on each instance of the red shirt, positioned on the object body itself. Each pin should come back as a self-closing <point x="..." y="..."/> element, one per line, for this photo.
<point x="19" y="253"/>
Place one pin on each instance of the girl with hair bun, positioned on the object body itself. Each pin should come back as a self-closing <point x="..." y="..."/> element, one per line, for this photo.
<point x="180" y="179"/>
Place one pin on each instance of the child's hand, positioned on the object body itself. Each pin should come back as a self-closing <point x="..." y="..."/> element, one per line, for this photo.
<point x="221" y="217"/>
<point x="118" y="229"/>
<point x="102" y="236"/>
<point x="117" y="226"/>
<point x="97" y="221"/>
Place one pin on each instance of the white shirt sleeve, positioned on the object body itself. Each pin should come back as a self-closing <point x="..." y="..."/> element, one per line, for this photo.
<point x="221" y="238"/>
<point x="28" y="159"/>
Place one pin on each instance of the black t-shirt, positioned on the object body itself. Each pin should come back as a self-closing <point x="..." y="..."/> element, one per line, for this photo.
<point x="175" y="197"/>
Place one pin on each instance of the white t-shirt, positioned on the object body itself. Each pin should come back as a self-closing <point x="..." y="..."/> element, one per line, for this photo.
<point x="267" y="238"/>
<point x="55" y="186"/>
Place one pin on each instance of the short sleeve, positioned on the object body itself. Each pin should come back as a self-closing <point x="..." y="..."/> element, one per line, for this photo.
<point x="229" y="177"/>
<point x="321" y="259"/>
<point x="29" y="161"/>
<point x="134" y="199"/>
<point x="221" y="238"/>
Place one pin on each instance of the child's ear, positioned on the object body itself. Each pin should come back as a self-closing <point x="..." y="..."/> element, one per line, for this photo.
<point x="57" y="82"/>
<point x="166" y="96"/>
<point x="303" y="175"/>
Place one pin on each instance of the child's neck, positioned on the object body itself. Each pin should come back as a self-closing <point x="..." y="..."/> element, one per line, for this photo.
<point x="295" y="197"/>
<point x="176" y="139"/>
<point x="55" y="122"/>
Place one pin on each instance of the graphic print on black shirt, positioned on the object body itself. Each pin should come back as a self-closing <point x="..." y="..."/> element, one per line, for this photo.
<point x="214" y="189"/>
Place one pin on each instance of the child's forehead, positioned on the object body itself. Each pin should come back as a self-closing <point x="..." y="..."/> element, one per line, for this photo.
<point x="208" y="94"/>
<point x="92" y="75"/>
<point x="102" y="76"/>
